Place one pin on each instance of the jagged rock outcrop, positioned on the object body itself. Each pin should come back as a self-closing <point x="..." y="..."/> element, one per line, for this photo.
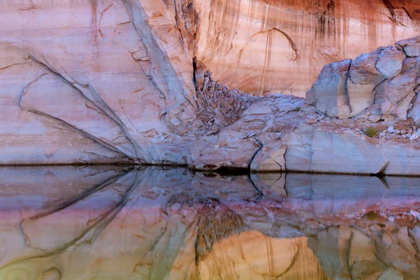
<point x="380" y="83"/>
<point x="329" y="94"/>
<point x="218" y="106"/>
<point x="329" y="133"/>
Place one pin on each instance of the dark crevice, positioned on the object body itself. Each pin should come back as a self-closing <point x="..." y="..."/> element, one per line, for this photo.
<point x="390" y="8"/>
<point x="194" y="64"/>
<point x="408" y="14"/>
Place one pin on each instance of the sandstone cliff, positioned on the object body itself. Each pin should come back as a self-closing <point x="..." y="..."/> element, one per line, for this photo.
<point x="360" y="116"/>
<point x="279" y="46"/>
<point x="129" y="81"/>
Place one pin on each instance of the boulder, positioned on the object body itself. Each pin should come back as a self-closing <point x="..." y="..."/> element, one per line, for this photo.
<point x="409" y="63"/>
<point x="412" y="50"/>
<point x="344" y="152"/>
<point x="317" y="149"/>
<point x="363" y="69"/>
<point x="410" y="46"/>
<point x="329" y="90"/>
<point x="402" y="109"/>
<point x="414" y="111"/>
<point x="360" y="96"/>
<point x="391" y="92"/>
<point x="404" y="159"/>
<point x="390" y="62"/>
<point x="410" y="41"/>
<point x="364" y="77"/>
<point x="230" y="149"/>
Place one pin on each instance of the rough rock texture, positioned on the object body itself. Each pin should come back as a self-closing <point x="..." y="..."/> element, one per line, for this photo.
<point x="382" y="82"/>
<point x="124" y="80"/>
<point x="218" y="106"/>
<point x="97" y="222"/>
<point x="390" y="62"/>
<point x="329" y="91"/>
<point x="279" y="46"/>
<point x="364" y="76"/>
<point x="129" y="82"/>
<point x="261" y="125"/>
<point x="328" y="132"/>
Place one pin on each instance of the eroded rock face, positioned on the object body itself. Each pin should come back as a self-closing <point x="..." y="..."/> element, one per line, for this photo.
<point x="218" y="106"/>
<point x="124" y="80"/>
<point x="390" y="62"/>
<point x="279" y="46"/>
<point x="364" y="76"/>
<point x="329" y="91"/>
<point x="381" y="82"/>
<point x="328" y="132"/>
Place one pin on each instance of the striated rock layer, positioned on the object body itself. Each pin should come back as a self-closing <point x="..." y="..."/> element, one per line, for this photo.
<point x="279" y="46"/>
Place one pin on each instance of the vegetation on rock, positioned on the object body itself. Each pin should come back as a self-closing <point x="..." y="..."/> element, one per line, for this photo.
<point x="371" y="131"/>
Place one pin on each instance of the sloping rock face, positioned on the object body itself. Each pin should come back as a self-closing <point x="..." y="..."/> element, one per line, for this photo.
<point x="99" y="87"/>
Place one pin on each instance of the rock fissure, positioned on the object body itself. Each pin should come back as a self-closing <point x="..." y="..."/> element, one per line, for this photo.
<point x="98" y="102"/>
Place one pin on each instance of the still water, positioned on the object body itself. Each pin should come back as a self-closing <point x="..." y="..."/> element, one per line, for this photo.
<point x="151" y="223"/>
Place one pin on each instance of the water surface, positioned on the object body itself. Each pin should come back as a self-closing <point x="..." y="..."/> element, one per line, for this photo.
<point x="150" y="223"/>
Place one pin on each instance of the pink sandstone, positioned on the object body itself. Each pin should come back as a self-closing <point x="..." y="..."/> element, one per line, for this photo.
<point x="129" y="82"/>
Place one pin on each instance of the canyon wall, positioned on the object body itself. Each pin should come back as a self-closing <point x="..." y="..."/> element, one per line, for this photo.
<point x="87" y="81"/>
<point x="279" y="46"/>
<point x="129" y="80"/>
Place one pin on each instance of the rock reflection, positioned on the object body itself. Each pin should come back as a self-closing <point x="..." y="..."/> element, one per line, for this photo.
<point x="150" y="223"/>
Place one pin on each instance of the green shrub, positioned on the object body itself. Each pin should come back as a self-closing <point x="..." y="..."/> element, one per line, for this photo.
<point x="371" y="131"/>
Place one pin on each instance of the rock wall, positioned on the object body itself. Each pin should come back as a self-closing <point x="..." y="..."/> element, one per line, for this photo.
<point x="361" y="116"/>
<point x="127" y="81"/>
<point x="96" y="87"/>
<point x="279" y="46"/>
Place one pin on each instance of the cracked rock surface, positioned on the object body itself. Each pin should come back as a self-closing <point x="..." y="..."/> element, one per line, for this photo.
<point x="187" y="83"/>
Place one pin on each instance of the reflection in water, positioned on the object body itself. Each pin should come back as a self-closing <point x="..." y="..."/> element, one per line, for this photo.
<point x="150" y="223"/>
